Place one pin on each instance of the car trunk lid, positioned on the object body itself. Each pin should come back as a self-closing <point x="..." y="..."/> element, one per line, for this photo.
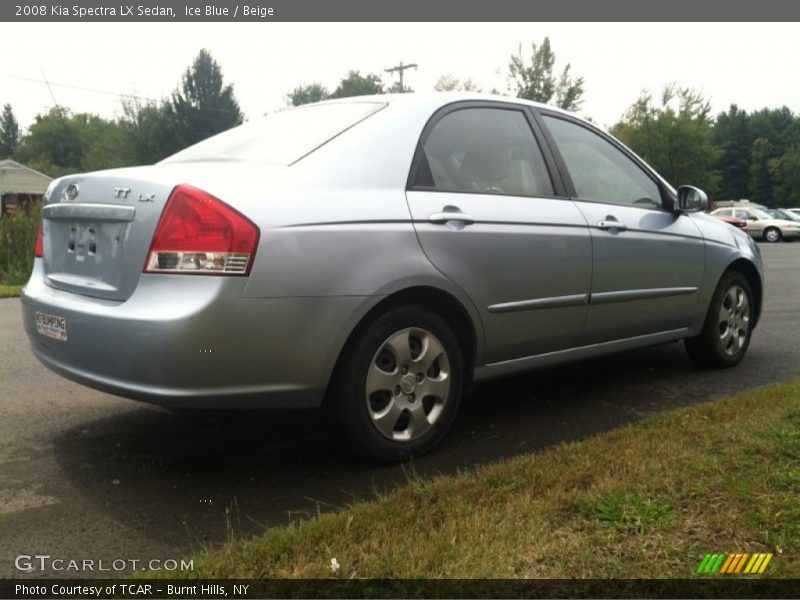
<point x="97" y="229"/>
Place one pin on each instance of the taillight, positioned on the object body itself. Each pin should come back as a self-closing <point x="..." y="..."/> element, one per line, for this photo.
<point x="200" y="234"/>
<point x="38" y="249"/>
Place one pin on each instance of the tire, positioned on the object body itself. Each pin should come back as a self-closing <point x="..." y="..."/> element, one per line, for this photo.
<point x="728" y="326"/>
<point x="772" y="235"/>
<point x="383" y="411"/>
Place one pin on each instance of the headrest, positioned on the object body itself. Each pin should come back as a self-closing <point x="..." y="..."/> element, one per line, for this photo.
<point x="484" y="162"/>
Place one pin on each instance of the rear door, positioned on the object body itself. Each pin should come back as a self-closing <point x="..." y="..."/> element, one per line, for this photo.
<point x="490" y="216"/>
<point x="648" y="262"/>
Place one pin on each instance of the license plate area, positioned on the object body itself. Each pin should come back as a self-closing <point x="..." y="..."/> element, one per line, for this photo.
<point x="82" y="241"/>
<point x="86" y="256"/>
<point x="51" y="326"/>
<point x="85" y="247"/>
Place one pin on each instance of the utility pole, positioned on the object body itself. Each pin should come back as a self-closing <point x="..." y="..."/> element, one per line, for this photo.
<point x="399" y="69"/>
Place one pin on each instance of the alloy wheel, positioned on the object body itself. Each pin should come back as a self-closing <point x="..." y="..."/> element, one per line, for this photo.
<point x="408" y="384"/>
<point x="734" y="320"/>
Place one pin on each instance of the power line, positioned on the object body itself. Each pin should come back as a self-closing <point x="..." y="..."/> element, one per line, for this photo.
<point x="49" y="83"/>
<point x="74" y="87"/>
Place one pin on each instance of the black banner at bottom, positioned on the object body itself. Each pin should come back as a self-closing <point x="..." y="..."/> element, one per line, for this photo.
<point x="213" y="589"/>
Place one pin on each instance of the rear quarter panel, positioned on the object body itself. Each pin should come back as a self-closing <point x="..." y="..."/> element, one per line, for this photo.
<point x="337" y="222"/>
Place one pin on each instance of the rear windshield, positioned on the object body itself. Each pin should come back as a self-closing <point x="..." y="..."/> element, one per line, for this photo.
<point x="281" y="138"/>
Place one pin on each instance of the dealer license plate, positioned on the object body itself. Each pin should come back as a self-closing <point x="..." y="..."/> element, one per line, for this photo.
<point x="51" y="326"/>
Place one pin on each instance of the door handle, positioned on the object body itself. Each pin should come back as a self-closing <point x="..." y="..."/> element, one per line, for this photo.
<point x="612" y="224"/>
<point x="443" y="217"/>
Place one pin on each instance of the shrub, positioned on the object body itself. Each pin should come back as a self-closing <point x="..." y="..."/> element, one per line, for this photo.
<point x="17" y="239"/>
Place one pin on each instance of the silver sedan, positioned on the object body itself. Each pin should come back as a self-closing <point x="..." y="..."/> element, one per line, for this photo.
<point x="375" y="257"/>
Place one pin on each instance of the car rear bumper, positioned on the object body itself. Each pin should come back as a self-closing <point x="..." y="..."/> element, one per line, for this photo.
<point x="194" y="342"/>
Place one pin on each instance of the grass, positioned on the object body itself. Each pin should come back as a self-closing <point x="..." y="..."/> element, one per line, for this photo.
<point x="17" y="238"/>
<point x="9" y="291"/>
<point x="645" y="500"/>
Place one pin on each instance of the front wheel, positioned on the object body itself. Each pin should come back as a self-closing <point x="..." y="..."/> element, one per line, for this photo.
<point x="728" y="326"/>
<point x="772" y="235"/>
<point x="399" y="385"/>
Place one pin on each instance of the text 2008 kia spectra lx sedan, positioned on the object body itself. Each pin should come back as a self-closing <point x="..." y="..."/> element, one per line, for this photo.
<point x="376" y="256"/>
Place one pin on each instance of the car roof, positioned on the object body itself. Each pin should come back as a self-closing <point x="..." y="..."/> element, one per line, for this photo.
<point x="435" y="100"/>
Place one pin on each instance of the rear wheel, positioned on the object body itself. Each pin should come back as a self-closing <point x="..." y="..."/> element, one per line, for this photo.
<point x="399" y="385"/>
<point x="772" y="235"/>
<point x="728" y="326"/>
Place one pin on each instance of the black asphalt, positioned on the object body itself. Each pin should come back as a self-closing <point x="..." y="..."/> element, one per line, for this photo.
<point x="87" y="475"/>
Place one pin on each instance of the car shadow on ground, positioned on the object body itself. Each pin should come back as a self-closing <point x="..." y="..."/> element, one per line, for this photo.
<point x="202" y="477"/>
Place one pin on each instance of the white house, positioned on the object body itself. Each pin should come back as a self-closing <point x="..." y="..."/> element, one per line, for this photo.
<point x="20" y="186"/>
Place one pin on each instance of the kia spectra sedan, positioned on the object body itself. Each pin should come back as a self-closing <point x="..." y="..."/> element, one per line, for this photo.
<point x="375" y="257"/>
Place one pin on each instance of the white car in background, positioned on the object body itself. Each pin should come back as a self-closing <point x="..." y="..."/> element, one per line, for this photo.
<point x="782" y="213"/>
<point x="762" y="225"/>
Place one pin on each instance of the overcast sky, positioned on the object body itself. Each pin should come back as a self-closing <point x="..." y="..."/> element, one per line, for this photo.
<point x="753" y="65"/>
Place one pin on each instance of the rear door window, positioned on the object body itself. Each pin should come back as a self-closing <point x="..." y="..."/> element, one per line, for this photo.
<point x="485" y="151"/>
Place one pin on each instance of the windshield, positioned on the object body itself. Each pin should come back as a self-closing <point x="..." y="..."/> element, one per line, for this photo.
<point x="281" y="138"/>
<point x="784" y="214"/>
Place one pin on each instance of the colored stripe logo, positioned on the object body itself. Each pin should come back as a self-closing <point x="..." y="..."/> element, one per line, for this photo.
<point x="733" y="564"/>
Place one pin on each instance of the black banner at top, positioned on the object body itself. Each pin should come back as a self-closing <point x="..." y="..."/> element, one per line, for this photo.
<point x="399" y="10"/>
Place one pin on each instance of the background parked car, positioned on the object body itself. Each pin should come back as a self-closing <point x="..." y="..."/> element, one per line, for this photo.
<point x="783" y="213"/>
<point x="735" y="221"/>
<point x="762" y="225"/>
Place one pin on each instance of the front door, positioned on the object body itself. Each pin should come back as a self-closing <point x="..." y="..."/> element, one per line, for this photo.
<point x="647" y="261"/>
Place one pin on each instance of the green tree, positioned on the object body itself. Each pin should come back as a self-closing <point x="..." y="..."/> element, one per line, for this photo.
<point x="106" y="144"/>
<point x="396" y="88"/>
<point x="776" y="125"/>
<point x="786" y="176"/>
<point x="9" y="132"/>
<point x="203" y="105"/>
<point x="534" y="79"/>
<point x="355" y="84"/>
<point x="774" y="132"/>
<point x="762" y="157"/>
<point x="307" y="93"/>
<point x="149" y="127"/>
<point x="60" y="142"/>
<point x="731" y="135"/>
<point x="451" y="83"/>
<point x="52" y="144"/>
<point x="674" y="136"/>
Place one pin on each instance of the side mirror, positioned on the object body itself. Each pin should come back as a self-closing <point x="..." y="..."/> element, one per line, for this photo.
<point x="691" y="199"/>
